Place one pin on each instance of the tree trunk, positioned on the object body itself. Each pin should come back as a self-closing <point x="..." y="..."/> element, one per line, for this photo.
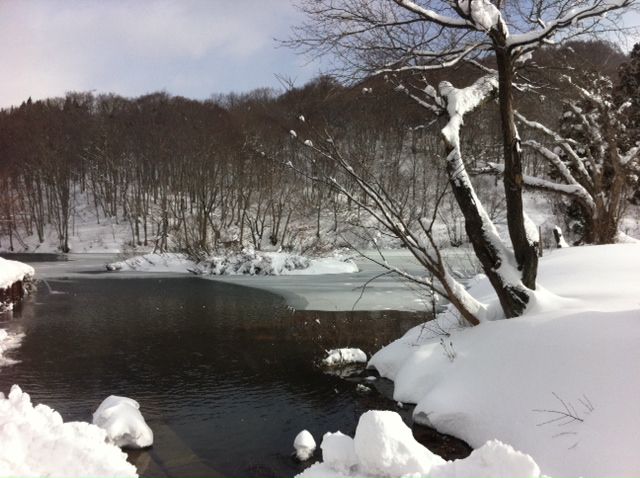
<point x="512" y="299"/>
<point x="525" y="251"/>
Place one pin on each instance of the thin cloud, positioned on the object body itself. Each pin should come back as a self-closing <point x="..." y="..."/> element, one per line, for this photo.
<point x="186" y="47"/>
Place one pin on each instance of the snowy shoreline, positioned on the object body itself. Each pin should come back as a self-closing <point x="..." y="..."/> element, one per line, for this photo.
<point x="14" y="277"/>
<point x="575" y="347"/>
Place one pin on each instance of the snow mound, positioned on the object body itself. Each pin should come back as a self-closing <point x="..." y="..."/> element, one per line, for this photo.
<point x="249" y="262"/>
<point x="120" y="417"/>
<point x="493" y="460"/>
<point x="559" y="383"/>
<point x="384" y="447"/>
<point x="164" y="262"/>
<point x="36" y="442"/>
<point x="13" y="271"/>
<point x="339" y="452"/>
<point x="304" y="445"/>
<point x="336" y="357"/>
<point x="8" y="341"/>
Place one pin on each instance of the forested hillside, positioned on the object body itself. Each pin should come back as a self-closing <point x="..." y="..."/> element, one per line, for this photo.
<point x="171" y="173"/>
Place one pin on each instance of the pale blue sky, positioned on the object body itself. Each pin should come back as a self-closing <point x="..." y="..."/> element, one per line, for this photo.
<point x="190" y="48"/>
<point x="186" y="47"/>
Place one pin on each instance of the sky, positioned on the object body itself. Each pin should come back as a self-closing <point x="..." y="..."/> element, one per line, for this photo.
<point x="193" y="48"/>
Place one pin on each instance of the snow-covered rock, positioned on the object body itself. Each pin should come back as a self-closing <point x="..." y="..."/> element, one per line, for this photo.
<point x="34" y="441"/>
<point x="492" y="460"/>
<point x="344" y="356"/>
<point x="13" y="271"/>
<point x="120" y="417"/>
<point x="339" y="452"/>
<point x="304" y="445"/>
<point x="384" y="447"/>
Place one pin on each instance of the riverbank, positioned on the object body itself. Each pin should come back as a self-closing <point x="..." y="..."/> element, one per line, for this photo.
<point x="559" y="383"/>
<point x="365" y="290"/>
<point x="14" y="278"/>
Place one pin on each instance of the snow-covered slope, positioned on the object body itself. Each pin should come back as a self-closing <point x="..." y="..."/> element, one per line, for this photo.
<point x="560" y="383"/>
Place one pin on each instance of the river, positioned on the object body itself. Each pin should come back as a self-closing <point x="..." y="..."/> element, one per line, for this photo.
<point x="226" y="375"/>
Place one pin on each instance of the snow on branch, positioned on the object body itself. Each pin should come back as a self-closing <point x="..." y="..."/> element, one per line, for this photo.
<point x="434" y="17"/>
<point x="572" y="189"/>
<point x="462" y="101"/>
<point x="593" y="9"/>
<point x="567" y="145"/>
<point x="542" y="128"/>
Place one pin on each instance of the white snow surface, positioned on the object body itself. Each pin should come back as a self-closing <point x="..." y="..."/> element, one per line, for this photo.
<point x="13" y="271"/>
<point x="344" y="356"/>
<point x="304" y="445"/>
<point x="120" y="417"/>
<point x="384" y="446"/>
<point x="559" y="383"/>
<point x="36" y="442"/>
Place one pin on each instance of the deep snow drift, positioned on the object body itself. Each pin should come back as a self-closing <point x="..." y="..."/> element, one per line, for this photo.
<point x="384" y="446"/>
<point x="560" y="383"/>
<point x="36" y="442"/>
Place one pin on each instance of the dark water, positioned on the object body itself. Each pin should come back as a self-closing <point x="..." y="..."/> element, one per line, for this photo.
<point x="33" y="257"/>
<point x="225" y="375"/>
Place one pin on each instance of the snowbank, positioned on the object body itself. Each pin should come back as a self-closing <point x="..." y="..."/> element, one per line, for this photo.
<point x="120" y="417"/>
<point x="304" y="445"/>
<point x="560" y="383"/>
<point x="384" y="446"/>
<point x="36" y="442"/>
<point x="8" y="341"/>
<point x="247" y="262"/>
<point x="13" y="271"/>
<point x="344" y="356"/>
<point x="165" y="262"/>
<point x="250" y="262"/>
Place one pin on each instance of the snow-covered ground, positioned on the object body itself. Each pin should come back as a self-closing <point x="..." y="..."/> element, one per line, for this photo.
<point x="560" y="383"/>
<point x="36" y="442"/>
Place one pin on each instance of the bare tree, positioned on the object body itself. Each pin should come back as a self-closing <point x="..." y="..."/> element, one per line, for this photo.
<point x="402" y="38"/>
<point x="593" y="160"/>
